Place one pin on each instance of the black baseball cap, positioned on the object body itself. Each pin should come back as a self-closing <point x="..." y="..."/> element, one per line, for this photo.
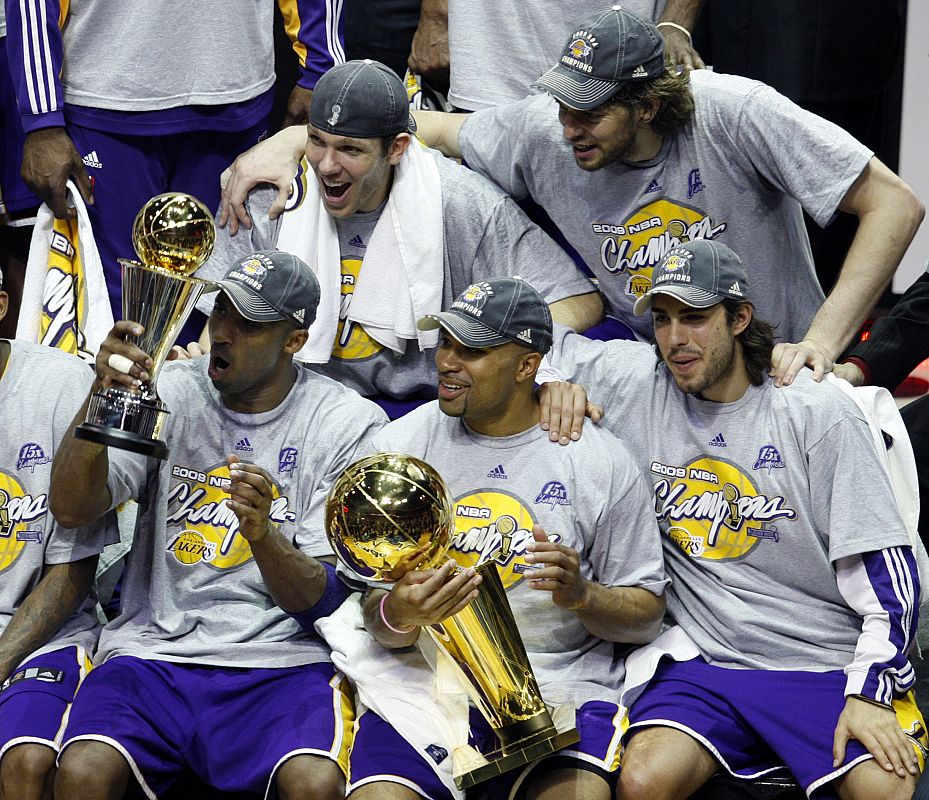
<point x="700" y="273"/>
<point x="609" y="48"/>
<point x="272" y="285"/>
<point x="361" y="98"/>
<point x="495" y="312"/>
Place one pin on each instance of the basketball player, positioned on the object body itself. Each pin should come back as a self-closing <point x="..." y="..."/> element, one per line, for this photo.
<point x="213" y="663"/>
<point x="629" y="157"/>
<point x="570" y="528"/>
<point x="361" y="207"/>
<point x="791" y="569"/>
<point x="48" y="625"/>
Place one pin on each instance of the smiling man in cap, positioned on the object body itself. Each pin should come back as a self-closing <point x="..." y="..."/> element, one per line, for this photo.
<point x="571" y="531"/>
<point x="794" y="579"/>
<point x="393" y="230"/>
<point x="229" y="567"/>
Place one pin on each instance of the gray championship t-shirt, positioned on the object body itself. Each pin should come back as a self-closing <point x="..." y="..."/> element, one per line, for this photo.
<point x="486" y="235"/>
<point x="741" y="171"/>
<point x="40" y="392"/>
<point x="192" y="591"/>
<point x="499" y="47"/>
<point x="589" y="496"/>
<point x="756" y="500"/>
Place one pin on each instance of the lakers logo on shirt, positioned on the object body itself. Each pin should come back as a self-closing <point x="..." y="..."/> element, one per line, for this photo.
<point x="713" y="510"/>
<point x="637" y="244"/>
<point x="352" y="342"/>
<point x="189" y="547"/>
<point x="492" y="525"/>
<point x="22" y="519"/>
<point x="202" y="529"/>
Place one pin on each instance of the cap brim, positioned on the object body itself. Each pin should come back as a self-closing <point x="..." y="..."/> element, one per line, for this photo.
<point x="580" y="93"/>
<point x="689" y="295"/>
<point x="468" y="331"/>
<point x="248" y="304"/>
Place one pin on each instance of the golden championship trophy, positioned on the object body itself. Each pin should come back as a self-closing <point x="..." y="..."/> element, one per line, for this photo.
<point x="173" y="235"/>
<point x="386" y="510"/>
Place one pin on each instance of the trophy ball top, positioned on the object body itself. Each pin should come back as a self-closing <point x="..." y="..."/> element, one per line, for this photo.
<point x="174" y="232"/>
<point x="383" y="511"/>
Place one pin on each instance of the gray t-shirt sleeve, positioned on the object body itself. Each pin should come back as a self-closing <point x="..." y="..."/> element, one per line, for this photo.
<point x="497" y="142"/>
<point x="845" y="476"/>
<point x="618" y="374"/>
<point x="352" y="424"/>
<point x="229" y="249"/>
<point x="72" y="544"/>
<point x="128" y="474"/>
<point x="803" y="155"/>
<point x="512" y="244"/>
<point x="626" y="550"/>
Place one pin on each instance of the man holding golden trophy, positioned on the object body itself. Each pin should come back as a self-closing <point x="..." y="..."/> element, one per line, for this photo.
<point x="212" y="664"/>
<point x="523" y="573"/>
<point x="564" y="536"/>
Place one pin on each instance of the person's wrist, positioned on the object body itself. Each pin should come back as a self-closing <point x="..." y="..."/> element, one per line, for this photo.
<point x="584" y="598"/>
<point x="675" y="27"/>
<point x="397" y="627"/>
<point x="871" y="701"/>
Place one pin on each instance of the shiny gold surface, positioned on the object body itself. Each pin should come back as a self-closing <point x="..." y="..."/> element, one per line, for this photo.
<point x="382" y="514"/>
<point x="174" y="232"/>
<point x="173" y="235"/>
<point x="386" y="510"/>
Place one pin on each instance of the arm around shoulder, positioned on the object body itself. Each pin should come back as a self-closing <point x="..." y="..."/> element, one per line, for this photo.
<point x="439" y="130"/>
<point x="889" y="214"/>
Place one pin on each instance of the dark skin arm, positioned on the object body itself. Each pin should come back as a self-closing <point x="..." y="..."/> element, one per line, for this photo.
<point x="678" y="46"/>
<point x="295" y="580"/>
<point x="78" y="494"/>
<point x="56" y="597"/>
<point x="49" y="160"/>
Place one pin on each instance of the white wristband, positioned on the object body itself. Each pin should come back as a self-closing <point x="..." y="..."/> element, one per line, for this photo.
<point x="681" y="28"/>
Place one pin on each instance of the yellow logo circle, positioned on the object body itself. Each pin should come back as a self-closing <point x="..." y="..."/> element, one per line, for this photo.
<point x="210" y="533"/>
<point x="492" y="526"/>
<point x="715" y="511"/>
<point x="352" y="342"/>
<point x="17" y="510"/>
<point x="190" y="547"/>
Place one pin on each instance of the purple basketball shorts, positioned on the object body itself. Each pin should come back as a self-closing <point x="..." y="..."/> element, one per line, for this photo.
<point x="380" y="754"/>
<point x="36" y="697"/>
<point x="232" y="727"/>
<point x="759" y="721"/>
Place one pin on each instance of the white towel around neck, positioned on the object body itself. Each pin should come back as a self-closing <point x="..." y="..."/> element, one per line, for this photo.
<point x="403" y="273"/>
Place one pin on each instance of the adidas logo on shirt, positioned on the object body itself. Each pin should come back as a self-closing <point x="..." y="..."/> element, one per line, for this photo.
<point x="718" y="441"/>
<point x="525" y="336"/>
<point x="357" y="241"/>
<point x="91" y="160"/>
<point x="654" y="186"/>
<point x="497" y="472"/>
<point x="244" y="446"/>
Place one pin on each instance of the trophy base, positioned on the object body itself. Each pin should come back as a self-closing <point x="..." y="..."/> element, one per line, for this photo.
<point x="472" y="767"/>
<point x="126" y="420"/>
<point x="123" y="440"/>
